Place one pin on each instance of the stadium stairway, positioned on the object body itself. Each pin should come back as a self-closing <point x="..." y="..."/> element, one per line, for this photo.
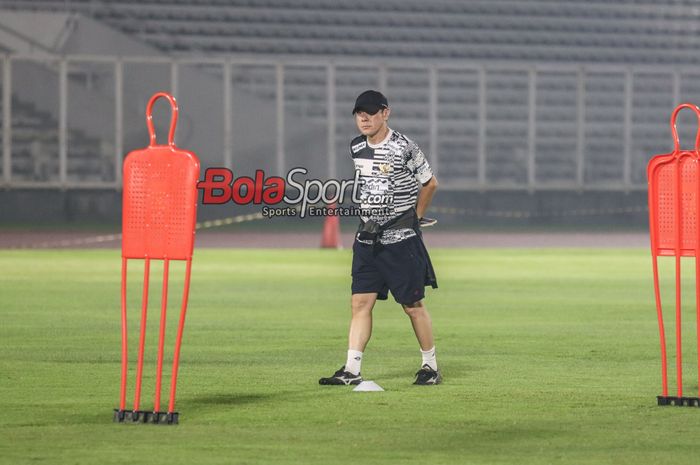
<point x="35" y="148"/>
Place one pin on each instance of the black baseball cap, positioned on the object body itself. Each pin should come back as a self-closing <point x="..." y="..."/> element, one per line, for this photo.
<point x="370" y="101"/>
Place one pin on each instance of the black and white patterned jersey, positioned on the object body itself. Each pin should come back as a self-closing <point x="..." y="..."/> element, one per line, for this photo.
<point x="390" y="172"/>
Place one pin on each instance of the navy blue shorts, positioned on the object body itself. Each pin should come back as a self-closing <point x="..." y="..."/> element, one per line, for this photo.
<point x="403" y="268"/>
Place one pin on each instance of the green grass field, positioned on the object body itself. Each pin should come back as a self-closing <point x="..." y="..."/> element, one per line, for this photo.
<point x="548" y="356"/>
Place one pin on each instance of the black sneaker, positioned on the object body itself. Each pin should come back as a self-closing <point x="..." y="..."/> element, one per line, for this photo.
<point x="341" y="378"/>
<point x="427" y="376"/>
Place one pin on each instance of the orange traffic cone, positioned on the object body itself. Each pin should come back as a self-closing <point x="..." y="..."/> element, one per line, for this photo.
<point x="331" y="232"/>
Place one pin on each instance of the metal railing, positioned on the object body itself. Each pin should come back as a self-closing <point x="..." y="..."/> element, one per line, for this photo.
<point x="490" y="108"/>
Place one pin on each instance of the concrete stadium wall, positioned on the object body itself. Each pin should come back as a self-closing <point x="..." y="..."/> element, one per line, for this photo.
<point x="473" y="209"/>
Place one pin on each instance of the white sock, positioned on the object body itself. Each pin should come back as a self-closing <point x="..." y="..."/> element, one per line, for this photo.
<point x="354" y="362"/>
<point x="429" y="358"/>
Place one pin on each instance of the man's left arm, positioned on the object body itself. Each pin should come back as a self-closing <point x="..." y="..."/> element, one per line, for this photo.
<point x="425" y="196"/>
<point x="420" y="168"/>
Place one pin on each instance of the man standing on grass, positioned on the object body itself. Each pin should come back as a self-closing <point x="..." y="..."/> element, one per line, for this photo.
<point x="388" y="252"/>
